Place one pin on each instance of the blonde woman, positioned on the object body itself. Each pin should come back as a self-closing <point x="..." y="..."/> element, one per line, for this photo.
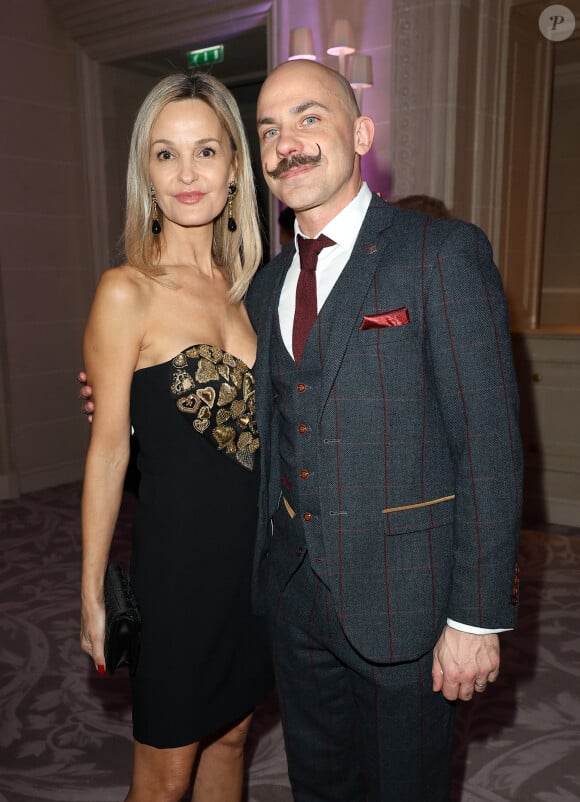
<point x="169" y="349"/>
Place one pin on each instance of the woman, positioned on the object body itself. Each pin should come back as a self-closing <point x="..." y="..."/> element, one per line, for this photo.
<point x="168" y="349"/>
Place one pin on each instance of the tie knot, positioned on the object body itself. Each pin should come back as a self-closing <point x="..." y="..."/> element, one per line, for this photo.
<point x="309" y="249"/>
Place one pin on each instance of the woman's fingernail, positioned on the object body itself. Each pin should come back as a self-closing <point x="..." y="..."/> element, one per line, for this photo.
<point x="101" y="670"/>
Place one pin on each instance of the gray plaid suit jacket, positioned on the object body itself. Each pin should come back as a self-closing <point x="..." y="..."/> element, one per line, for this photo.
<point x="418" y="454"/>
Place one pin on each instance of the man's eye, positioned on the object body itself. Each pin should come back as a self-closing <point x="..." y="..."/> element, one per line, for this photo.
<point x="310" y="120"/>
<point x="270" y="133"/>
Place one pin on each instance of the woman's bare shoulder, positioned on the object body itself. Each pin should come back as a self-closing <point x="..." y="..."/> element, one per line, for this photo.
<point x="125" y="285"/>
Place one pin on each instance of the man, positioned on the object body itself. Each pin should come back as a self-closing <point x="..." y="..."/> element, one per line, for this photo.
<point x="390" y="458"/>
<point x="391" y="463"/>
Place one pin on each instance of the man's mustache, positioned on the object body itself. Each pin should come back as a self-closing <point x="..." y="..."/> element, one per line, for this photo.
<point x="297" y="160"/>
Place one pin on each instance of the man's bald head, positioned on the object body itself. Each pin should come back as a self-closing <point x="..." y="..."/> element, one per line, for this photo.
<point x="334" y="82"/>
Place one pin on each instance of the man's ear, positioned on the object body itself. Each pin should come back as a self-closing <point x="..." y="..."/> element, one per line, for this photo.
<point x="364" y="133"/>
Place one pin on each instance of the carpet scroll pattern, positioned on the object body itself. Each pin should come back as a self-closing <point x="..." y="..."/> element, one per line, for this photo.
<point x="65" y="733"/>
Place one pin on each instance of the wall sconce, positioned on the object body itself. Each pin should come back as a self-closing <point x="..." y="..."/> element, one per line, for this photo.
<point x="301" y="44"/>
<point x="360" y="74"/>
<point x="358" y="69"/>
<point x="341" y="42"/>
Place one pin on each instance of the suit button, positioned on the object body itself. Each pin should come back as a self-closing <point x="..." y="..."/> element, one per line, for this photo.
<point x="302" y="428"/>
<point x="304" y="474"/>
<point x="301" y="387"/>
<point x="307" y="516"/>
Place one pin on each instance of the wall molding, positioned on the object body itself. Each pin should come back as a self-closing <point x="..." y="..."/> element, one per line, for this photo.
<point x="59" y="474"/>
<point x="424" y="93"/>
<point x="560" y="511"/>
<point x="9" y="487"/>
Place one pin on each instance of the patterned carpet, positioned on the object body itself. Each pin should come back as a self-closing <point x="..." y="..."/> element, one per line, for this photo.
<point x="65" y="732"/>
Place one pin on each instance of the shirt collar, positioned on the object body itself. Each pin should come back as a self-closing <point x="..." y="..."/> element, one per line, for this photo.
<point x="345" y="227"/>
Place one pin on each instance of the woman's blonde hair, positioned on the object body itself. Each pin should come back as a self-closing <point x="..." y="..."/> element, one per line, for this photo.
<point x="238" y="252"/>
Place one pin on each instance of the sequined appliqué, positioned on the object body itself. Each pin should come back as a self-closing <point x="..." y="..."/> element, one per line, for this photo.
<point x="216" y="390"/>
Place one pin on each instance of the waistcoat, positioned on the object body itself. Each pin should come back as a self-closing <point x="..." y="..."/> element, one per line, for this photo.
<point x="297" y="390"/>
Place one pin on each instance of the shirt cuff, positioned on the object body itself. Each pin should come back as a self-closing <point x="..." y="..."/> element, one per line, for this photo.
<point x="475" y="630"/>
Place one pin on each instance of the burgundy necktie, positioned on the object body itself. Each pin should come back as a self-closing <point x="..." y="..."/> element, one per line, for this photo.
<point x="306" y="303"/>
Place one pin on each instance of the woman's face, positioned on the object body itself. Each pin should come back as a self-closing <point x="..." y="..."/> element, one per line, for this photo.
<point x="190" y="163"/>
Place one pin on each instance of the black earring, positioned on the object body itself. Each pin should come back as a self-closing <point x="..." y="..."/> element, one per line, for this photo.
<point x="232" y="190"/>
<point x="155" y="224"/>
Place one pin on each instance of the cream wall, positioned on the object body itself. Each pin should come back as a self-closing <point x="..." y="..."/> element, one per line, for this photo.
<point x="44" y="252"/>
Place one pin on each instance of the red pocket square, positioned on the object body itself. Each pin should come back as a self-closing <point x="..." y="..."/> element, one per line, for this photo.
<point x="395" y="317"/>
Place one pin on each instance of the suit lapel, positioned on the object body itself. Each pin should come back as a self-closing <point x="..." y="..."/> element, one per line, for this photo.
<point x="369" y="253"/>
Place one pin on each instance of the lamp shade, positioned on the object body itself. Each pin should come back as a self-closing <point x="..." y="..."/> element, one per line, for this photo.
<point x="301" y="44"/>
<point x="360" y="71"/>
<point x="341" y="39"/>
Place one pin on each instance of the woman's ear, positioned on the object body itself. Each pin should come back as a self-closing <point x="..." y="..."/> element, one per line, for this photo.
<point x="364" y="133"/>
<point x="233" y="176"/>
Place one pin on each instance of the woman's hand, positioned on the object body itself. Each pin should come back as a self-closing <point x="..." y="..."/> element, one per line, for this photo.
<point x="93" y="633"/>
<point x="86" y="396"/>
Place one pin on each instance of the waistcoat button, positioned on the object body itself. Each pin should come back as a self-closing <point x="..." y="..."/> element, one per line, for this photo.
<point x="304" y="474"/>
<point x="301" y="387"/>
<point x="307" y="516"/>
<point x="302" y="428"/>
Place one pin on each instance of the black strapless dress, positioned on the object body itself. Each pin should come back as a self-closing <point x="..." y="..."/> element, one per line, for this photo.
<point x="204" y="658"/>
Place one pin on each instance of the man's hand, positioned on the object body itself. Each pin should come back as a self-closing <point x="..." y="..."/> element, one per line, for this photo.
<point x="464" y="663"/>
<point x="86" y="395"/>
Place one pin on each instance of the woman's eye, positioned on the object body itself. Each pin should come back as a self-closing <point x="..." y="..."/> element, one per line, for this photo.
<point x="206" y="153"/>
<point x="164" y="155"/>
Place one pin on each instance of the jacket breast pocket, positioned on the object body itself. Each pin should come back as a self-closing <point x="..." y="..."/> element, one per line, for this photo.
<point x="390" y="319"/>
<point x="386" y="337"/>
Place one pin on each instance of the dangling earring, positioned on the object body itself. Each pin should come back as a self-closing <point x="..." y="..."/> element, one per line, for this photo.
<point x="232" y="190"/>
<point x="155" y="224"/>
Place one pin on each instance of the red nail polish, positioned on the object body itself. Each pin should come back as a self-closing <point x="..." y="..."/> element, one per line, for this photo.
<point x="101" y="670"/>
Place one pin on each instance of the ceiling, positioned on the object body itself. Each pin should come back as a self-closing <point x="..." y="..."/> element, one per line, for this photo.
<point x="245" y="58"/>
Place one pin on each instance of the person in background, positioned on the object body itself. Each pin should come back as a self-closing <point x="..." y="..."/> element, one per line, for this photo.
<point x="286" y="223"/>
<point x="423" y="203"/>
<point x="169" y="349"/>
<point x="391" y="462"/>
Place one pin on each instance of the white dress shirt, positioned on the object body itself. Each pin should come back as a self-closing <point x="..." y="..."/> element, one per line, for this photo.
<point x="343" y="230"/>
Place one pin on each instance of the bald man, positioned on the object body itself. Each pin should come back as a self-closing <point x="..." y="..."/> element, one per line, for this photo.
<point x="390" y="457"/>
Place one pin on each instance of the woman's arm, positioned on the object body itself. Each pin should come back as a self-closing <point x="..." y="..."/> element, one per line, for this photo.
<point x="112" y="341"/>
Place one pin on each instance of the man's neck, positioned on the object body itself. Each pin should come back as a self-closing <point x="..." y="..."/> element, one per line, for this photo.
<point x="312" y="221"/>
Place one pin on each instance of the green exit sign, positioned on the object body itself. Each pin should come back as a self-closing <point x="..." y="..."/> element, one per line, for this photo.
<point x="207" y="55"/>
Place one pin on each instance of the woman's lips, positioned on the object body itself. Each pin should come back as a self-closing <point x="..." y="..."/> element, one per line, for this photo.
<point x="190" y="197"/>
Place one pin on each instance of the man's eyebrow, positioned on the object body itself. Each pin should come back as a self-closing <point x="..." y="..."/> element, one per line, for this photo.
<point x="308" y="104"/>
<point x="300" y="109"/>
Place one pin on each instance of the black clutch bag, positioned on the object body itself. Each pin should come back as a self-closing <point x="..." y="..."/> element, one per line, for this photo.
<point x="123" y="621"/>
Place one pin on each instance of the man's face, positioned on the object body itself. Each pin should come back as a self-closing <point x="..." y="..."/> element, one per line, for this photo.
<point x="308" y="139"/>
